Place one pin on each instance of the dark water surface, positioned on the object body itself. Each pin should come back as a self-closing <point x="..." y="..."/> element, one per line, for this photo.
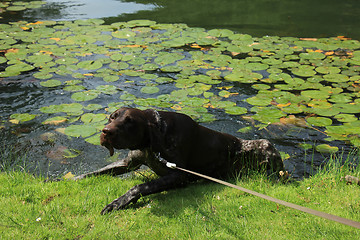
<point x="257" y="18"/>
<point x="305" y="18"/>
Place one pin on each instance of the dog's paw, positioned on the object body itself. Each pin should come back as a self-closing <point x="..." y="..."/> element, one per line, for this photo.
<point x="120" y="203"/>
<point x="117" y="204"/>
<point x="108" y="208"/>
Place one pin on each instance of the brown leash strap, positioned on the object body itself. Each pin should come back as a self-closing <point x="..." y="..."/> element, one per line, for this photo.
<point x="287" y="204"/>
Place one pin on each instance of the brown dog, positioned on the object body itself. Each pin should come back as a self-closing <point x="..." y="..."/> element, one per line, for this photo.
<point x="175" y="137"/>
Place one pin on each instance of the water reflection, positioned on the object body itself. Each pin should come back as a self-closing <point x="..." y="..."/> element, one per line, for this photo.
<point x="85" y="9"/>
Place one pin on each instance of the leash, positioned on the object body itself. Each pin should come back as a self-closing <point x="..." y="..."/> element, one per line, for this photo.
<point x="335" y="218"/>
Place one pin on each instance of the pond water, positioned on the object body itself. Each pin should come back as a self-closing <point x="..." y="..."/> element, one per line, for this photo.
<point x="51" y="152"/>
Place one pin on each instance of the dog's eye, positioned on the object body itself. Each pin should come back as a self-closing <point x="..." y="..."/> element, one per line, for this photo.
<point x="113" y="116"/>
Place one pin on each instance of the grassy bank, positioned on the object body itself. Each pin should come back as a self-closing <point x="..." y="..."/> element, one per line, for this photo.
<point x="32" y="209"/>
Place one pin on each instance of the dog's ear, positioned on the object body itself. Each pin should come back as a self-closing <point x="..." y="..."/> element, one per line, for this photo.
<point x="156" y="130"/>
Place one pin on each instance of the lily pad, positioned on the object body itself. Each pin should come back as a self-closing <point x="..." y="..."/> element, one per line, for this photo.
<point x="346" y="118"/>
<point x="319" y="121"/>
<point x="84" y="96"/>
<point x="80" y="130"/>
<point x="234" y="110"/>
<point x="55" y="120"/>
<point x="267" y="115"/>
<point x="149" y="89"/>
<point x="51" y="83"/>
<point x="123" y="34"/>
<point x="91" y="117"/>
<point x="90" y="65"/>
<point x="22" y="117"/>
<point x="326" y="148"/>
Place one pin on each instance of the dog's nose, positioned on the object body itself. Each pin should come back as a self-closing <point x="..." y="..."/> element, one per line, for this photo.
<point x="107" y="131"/>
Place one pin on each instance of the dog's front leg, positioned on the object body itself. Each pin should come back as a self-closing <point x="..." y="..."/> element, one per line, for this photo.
<point x="173" y="180"/>
<point x="132" y="162"/>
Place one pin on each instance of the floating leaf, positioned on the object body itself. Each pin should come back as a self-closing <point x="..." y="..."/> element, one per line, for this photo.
<point x="22" y="117"/>
<point x="91" y="117"/>
<point x="234" y="110"/>
<point x="107" y="89"/>
<point x="267" y="115"/>
<point x="123" y="34"/>
<point x="55" y="120"/>
<point x="306" y="146"/>
<point x="316" y="94"/>
<point x="84" y="96"/>
<point x="304" y="71"/>
<point x="93" y="107"/>
<point x="149" y="89"/>
<point x="80" y="130"/>
<point x="95" y="140"/>
<point x="51" y="83"/>
<point x="325" y="148"/>
<point x="327" y="70"/>
<point x="319" y="121"/>
<point x="260" y="100"/>
<point x="346" y="118"/>
<point x="312" y="55"/>
<point x="90" y="65"/>
<point x="245" y="129"/>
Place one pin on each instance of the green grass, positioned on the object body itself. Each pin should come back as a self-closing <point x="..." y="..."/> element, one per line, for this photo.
<point x="33" y="209"/>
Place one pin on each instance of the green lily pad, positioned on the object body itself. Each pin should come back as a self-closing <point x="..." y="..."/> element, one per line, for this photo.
<point x="51" y="83"/>
<point x="67" y="108"/>
<point x="123" y="34"/>
<point x="19" y="67"/>
<point x="245" y="129"/>
<point x="84" y="96"/>
<point x="346" y="118"/>
<point x="260" y="100"/>
<point x="336" y="78"/>
<point x="325" y="148"/>
<point x="42" y="75"/>
<point x="140" y="23"/>
<point x="257" y="66"/>
<point x="74" y="88"/>
<point x="149" y="89"/>
<point x="80" y="130"/>
<point x="316" y="94"/>
<point x="93" y="107"/>
<point x="15" y="8"/>
<point x="319" y="121"/>
<point x="55" y="120"/>
<point x="348" y="107"/>
<point x="306" y="146"/>
<point x="90" y="65"/>
<point x="42" y="58"/>
<point x="22" y="117"/>
<point x="171" y="69"/>
<point x="327" y="70"/>
<point x="94" y="140"/>
<point x="312" y="55"/>
<point x="304" y="71"/>
<point x="168" y="58"/>
<point x="267" y="115"/>
<point x="107" y="89"/>
<point x="91" y="117"/>
<point x="234" y="110"/>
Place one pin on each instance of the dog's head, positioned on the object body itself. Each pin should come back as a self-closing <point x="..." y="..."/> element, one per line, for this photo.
<point x="127" y="129"/>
